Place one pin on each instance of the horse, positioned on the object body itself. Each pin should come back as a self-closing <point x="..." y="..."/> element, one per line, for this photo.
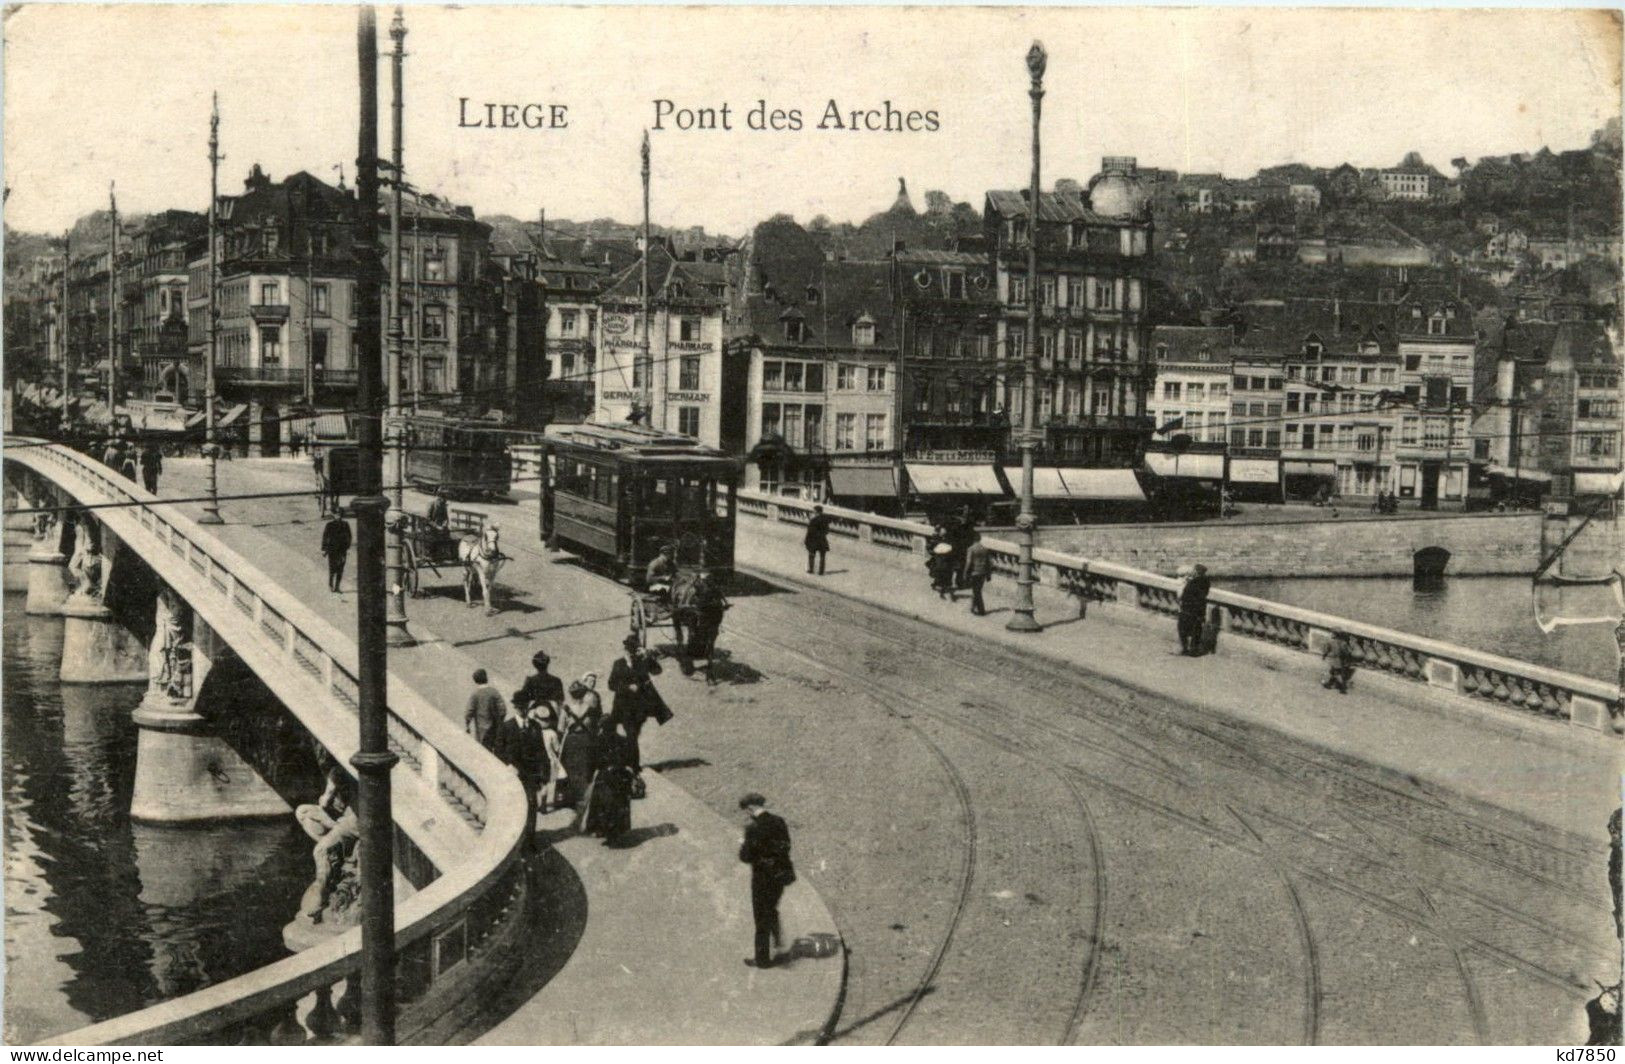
<point x="481" y="556"/>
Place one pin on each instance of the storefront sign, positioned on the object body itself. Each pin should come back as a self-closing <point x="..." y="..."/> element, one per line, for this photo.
<point x="688" y="397"/>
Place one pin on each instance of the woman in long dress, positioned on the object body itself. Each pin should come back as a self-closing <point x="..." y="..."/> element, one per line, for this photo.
<point x="582" y="714"/>
<point x="608" y="811"/>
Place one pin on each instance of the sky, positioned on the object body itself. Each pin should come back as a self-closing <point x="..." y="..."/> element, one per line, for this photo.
<point x="99" y="94"/>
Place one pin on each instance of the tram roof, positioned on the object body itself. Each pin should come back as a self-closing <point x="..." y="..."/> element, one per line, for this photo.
<point x="635" y="442"/>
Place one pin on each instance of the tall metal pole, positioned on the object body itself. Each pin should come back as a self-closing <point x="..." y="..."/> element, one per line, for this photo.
<point x="417" y="305"/>
<point x="395" y="621"/>
<point x="648" y="363"/>
<point x="373" y="760"/>
<point x="112" y="307"/>
<point x="211" y="449"/>
<point x="62" y="331"/>
<point x="1021" y="614"/>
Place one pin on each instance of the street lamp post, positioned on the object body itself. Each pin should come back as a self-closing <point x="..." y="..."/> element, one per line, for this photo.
<point x="395" y="632"/>
<point x="211" y="448"/>
<point x="374" y="759"/>
<point x="63" y="320"/>
<point x="1021" y="614"/>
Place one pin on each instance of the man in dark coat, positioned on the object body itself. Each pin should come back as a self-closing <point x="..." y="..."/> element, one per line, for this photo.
<point x="521" y="745"/>
<point x="817" y="540"/>
<point x="636" y="699"/>
<point x="1192" y="610"/>
<point x="540" y="686"/>
<point x="152" y="463"/>
<point x="766" y="848"/>
<point x="978" y="567"/>
<point x="336" y="539"/>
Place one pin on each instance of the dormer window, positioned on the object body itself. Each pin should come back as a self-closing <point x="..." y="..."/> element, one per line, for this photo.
<point x="1313" y="348"/>
<point x="953" y="282"/>
<point x="795" y="330"/>
<point x="863" y="332"/>
<point x="1436" y="325"/>
<point x="812" y="296"/>
<point x="1018" y="231"/>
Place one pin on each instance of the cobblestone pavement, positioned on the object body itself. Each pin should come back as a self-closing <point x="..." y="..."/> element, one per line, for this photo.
<point x="1017" y="852"/>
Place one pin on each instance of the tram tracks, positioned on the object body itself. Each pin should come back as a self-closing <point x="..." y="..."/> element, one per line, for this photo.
<point x="1425" y="919"/>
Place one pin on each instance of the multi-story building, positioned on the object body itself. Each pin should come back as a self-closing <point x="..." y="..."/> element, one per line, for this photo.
<point x="817" y="340"/>
<point x="1437" y="346"/>
<point x="1192" y="385"/>
<point x="1555" y="424"/>
<point x="453" y="351"/>
<point x="1093" y="332"/>
<point x="1257" y="404"/>
<point x="675" y="380"/>
<point x="950" y="374"/>
<point x="156" y="280"/>
<point x="1412" y="179"/>
<point x="1342" y="370"/>
<point x="286" y="314"/>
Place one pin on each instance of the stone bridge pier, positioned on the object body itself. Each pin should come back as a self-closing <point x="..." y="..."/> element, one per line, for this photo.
<point x="185" y="771"/>
<point x="52" y="537"/>
<point x="97" y="646"/>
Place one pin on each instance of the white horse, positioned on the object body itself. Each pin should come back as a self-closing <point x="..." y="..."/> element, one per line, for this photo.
<point x="481" y="556"/>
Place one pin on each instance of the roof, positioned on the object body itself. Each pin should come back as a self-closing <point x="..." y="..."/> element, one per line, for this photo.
<point x="941" y="257"/>
<point x="670" y="280"/>
<point x="828" y="298"/>
<point x="1340" y="326"/>
<point x="1193" y="343"/>
<point x="1065" y="206"/>
<point x="632" y="441"/>
<point x="1582" y="342"/>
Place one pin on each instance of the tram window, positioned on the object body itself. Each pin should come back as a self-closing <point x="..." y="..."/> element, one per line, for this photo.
<point x="698" y="499"/>
<point x="657" y="497"/>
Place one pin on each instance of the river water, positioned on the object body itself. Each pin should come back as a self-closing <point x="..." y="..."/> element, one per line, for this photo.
<point x="105" y="916"/>
<point x="1490" y="613"/>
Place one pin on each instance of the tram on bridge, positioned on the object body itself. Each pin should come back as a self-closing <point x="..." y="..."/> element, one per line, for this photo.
<point x="459" y="457"/>
<point x="616" y="494"/>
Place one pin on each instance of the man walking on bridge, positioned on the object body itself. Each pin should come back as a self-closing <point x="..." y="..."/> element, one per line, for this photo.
<point x="817" y="539"/>
<point x="766" y="848"/>
<point x="336" y="539"/>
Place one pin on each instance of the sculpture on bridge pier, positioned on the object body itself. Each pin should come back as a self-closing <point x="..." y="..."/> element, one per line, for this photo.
<point x="169" y="657"/>
<point x="89" y="573"/>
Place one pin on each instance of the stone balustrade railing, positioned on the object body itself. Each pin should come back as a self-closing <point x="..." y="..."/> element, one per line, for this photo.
<point x="467" y="867"/>
<point x="1485" y="677"/>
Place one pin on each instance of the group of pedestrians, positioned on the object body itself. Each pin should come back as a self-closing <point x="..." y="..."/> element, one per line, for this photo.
<point x="957" y="560"/>
<point x="566" y="751"/>
<point x="122" y="457"/>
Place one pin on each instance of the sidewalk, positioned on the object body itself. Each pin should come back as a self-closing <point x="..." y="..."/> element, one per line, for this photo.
<point x="1546" y="771"/>
<point x="642" y="944"/>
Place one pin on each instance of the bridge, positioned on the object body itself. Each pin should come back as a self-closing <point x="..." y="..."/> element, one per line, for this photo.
<point x="1101" y="841"/>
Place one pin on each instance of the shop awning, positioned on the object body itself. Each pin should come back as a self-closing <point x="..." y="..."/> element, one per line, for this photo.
<point x="1309" y="469"/>
<point x="1047" y="482"/>
<point x="1254" y="471"/>
<point x="870" y="481"/>
<point x="1588" y="483"/>
<point x="330" y="427"/>
<point x="232" y="415"/>
<point x="97" y="413"/>
<point x="953" y="479"/>
<point x="1533" y="476"/>
<point x="1103" y="485"/>
<point x="196" y="419"/>
<point x="1198" y="466"/>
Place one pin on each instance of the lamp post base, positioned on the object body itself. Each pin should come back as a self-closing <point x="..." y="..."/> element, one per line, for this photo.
<point x="1021" y="620"/>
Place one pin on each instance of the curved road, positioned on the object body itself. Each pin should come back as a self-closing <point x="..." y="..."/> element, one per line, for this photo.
<point x="1017" y="853"/>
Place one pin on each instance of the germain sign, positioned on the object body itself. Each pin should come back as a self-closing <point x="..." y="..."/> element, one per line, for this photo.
<point x="688" y="397"/>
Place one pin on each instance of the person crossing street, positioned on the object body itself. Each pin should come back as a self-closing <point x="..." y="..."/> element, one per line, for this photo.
<point x="336" y="540"/>
<point x="766" y="848"/>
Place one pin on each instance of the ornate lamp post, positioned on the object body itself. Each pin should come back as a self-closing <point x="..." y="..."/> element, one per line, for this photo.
<point x="211" y="447"/>
<point x="1021" y="614"/>
<point x="395" y="632"/>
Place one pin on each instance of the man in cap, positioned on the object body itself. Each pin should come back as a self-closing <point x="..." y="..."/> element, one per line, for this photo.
<point x="658" y="576"/>
<point x="817" y="539"/>
<point x="766" y="848"/>
<point x="978" y="567"/>
<point x="636" y="699"/>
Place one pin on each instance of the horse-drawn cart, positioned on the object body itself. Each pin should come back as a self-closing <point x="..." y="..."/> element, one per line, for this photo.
<point x="692" y="609"/>
<point x="459" y="544"/>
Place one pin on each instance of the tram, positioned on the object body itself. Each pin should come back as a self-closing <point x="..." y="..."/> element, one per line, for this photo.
<point x="617" y="493"/>
<point x="462" y="458"/>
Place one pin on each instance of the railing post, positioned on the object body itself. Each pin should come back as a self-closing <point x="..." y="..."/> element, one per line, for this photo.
<point x="1443" y="675"/>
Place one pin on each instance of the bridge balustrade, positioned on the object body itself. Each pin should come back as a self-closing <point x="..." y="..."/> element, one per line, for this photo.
<point x="1505" y="682"/>
<point x="468" y="868"/>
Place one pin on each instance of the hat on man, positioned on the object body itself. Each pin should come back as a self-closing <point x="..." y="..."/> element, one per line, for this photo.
<point x="631" y="642"/>
<point x="540" y="659"/>
<point x="942" y="548"/>
<point x="752" y="800"/>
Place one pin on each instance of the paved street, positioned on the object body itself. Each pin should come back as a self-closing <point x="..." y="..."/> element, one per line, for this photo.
<point x="1017" y="852"/>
